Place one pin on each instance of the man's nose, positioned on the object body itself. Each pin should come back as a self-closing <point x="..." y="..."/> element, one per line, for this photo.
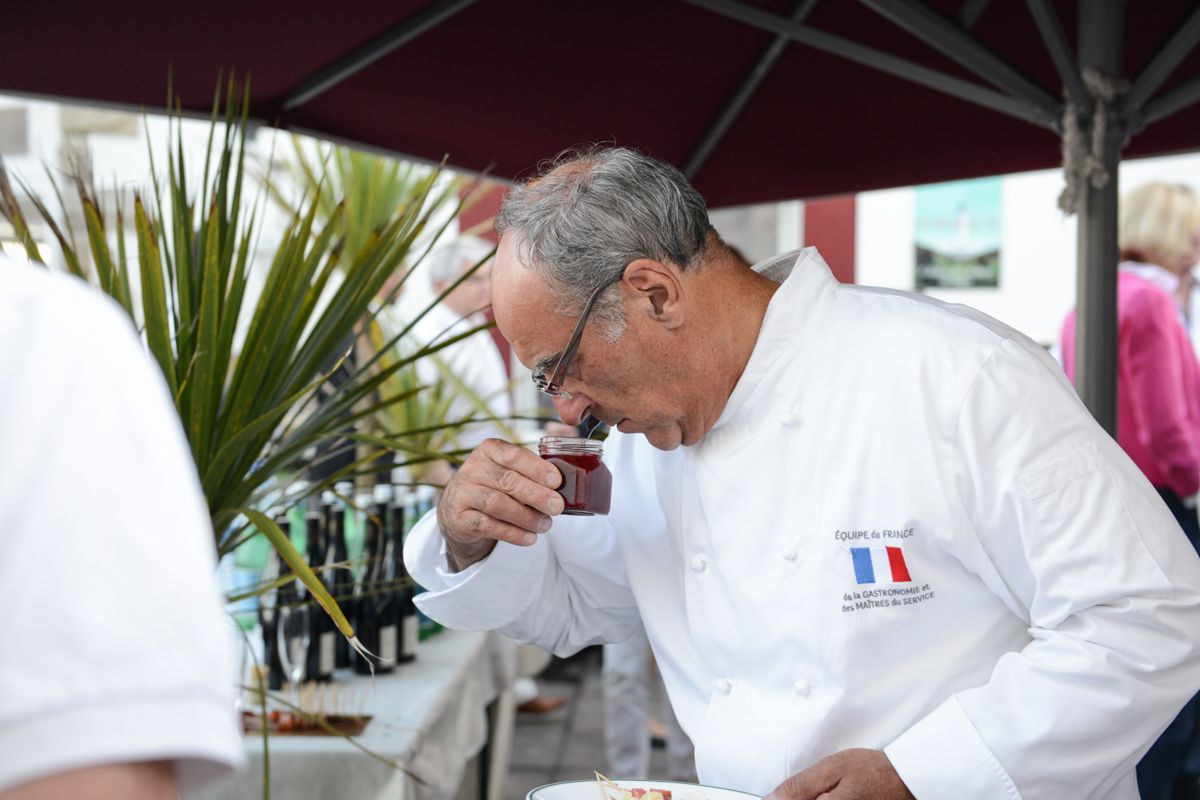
<point x="572" y="409"/>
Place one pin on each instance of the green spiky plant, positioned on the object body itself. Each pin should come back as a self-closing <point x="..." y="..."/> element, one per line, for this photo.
<point x="249" y="404"/>
<point x="372" y="185"/>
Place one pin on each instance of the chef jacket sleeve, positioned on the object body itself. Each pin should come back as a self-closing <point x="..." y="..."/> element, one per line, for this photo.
<point x="562" y="594"/>
<point x="1078" y="543"/>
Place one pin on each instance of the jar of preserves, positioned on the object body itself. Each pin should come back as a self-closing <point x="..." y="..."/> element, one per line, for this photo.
<point x="587" y="484"/>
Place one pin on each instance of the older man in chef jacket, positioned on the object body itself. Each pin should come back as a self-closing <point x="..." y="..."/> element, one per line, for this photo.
<point x="879" y="547"/>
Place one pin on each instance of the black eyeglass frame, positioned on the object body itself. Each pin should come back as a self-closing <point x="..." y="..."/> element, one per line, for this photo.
<point x="551" y="386"/>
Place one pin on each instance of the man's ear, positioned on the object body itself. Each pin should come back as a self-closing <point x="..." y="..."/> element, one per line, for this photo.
<point x="656" y="289"/>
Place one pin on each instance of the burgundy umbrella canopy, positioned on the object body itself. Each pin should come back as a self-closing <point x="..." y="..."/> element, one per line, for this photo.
<point x="506" y="83"/>
<point x="756" y="100"/>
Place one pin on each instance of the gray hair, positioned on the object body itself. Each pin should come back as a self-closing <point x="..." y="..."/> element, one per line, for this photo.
<point x="590" y="213"/>
<point x="447" y="261"/>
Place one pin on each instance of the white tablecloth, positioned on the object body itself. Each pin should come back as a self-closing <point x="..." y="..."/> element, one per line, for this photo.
<point x="430" y="717"/>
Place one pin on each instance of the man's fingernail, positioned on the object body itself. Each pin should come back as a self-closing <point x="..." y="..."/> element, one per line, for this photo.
<point x="552" y="479"/>
<point x="544" y="525"/>
<point x="529" y="538"/>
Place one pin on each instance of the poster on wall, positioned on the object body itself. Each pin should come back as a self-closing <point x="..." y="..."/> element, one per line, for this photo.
<point x="957" y="234"/>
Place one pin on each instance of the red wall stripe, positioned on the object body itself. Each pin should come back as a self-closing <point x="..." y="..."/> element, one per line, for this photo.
<point x="829" y="226"/>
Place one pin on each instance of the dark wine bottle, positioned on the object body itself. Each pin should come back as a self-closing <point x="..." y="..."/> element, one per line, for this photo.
<point x="341" y="584"/>
<point x="385" y="586"/>
<point x="322" y="631"/>
<point x="268" y="617"/>
<point x="366" y="587"/>
<point x="408" y="624"/>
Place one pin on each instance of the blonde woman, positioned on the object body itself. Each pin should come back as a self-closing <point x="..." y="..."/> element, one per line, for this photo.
<point x="1158" y="413"/>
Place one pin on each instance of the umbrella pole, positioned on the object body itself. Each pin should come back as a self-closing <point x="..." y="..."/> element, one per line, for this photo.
<point x="1096" y="270"/>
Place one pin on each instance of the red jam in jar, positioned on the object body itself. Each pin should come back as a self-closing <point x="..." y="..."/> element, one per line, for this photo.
<point x="587" y="483"/>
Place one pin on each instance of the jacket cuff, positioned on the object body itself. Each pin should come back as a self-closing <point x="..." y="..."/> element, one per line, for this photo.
<point x="943" y="758"/>
<point x="490" y="593"/>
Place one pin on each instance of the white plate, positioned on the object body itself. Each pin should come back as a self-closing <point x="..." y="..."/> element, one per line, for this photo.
<point x="588" y="790"/>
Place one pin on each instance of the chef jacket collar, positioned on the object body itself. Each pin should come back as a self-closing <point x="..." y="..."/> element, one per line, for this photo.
<point x="806" y="289"/>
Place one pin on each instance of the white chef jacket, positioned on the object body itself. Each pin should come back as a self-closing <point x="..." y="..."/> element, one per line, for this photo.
<point x="903" y="532"/>
<point x="114" y="646"/>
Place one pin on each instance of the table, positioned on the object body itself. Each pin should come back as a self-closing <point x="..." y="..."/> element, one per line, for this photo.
<point x="432" y="716"/>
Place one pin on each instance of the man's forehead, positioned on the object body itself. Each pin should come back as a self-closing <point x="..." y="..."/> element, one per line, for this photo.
<point x="516" y="290"/>
<point x="524" y="307"/>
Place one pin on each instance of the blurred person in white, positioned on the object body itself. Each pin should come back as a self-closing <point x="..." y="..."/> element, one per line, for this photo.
<point x="473" y="366"/>
<point x="879" y="546"/>
<point x="474" y="362"/>
<point x="116" y="662"/>
<point x="627" y="677"/>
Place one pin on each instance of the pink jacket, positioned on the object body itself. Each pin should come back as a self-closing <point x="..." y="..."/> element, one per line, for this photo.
<point x="1158" y="385"/>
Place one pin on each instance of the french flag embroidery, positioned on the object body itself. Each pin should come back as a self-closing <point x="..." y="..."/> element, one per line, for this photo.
<point x="879" y="565"/>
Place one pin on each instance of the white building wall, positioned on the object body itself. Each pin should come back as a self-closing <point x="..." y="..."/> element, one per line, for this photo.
<point x="1038" y="247"/>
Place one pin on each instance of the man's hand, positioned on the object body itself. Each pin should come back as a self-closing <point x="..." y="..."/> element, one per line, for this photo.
<point x="502" y="493"/>
<point x="849" y="775"/>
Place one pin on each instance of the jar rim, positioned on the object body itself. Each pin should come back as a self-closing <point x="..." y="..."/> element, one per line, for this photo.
<point x="551" y="445"/>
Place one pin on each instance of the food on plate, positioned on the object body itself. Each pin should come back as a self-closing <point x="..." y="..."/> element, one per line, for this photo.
<point x="611" y="791"/>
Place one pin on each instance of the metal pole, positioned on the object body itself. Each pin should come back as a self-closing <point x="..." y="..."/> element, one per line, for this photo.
<point x="1100" y="47"/>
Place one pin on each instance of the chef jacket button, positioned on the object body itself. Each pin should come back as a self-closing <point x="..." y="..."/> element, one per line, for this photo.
<point x="723" y="685"/>
<point x="699" y="563"/>
<point x="789" y="419"/>
<point x="801" y="688"/>
<point x="790" y="553"/>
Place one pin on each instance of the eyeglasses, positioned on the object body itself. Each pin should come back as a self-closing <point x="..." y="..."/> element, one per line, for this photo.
<point x="551" y="385"/>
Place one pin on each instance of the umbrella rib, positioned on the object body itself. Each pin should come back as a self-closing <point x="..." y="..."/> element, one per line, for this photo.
<point x="742" y="94"/>
<point x="1162" y="65"/>
<point x="359" y="58"/>
<point x="1167" y="104"/>
<point x="1060" y="52"/>
<point x="952" y="41"/>
<point x="883" y="62"/>
<point x="970" y="12"/>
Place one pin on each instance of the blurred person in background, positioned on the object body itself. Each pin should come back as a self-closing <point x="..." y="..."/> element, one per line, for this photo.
<point x="471" y="370"/>
<point x="1158" y="394"/>
<point x="1158" y="379"/>
<point x="116" y="673"/>
<point x="629" y="678"/>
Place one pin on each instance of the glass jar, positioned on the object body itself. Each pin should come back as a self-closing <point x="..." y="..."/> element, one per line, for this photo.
<point x="587" y="484"/>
